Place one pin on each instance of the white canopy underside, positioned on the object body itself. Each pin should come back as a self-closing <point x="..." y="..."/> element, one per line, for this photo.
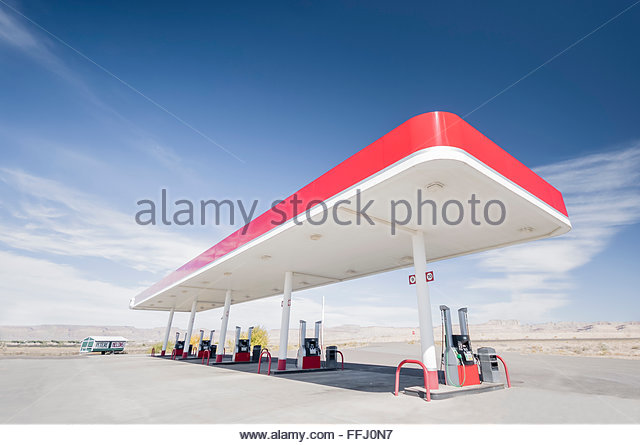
<point x="256" y="270"/>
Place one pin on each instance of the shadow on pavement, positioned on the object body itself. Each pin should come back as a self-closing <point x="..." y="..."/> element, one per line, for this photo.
<point x="356" y="376"/>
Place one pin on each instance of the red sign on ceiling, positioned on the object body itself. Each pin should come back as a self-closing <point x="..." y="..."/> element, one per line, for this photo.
<point x="428" y="276"/>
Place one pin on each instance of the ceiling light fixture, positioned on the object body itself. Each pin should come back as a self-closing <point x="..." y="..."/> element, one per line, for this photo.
<point x="315" y="237"/>
<point x="265" y="257"/>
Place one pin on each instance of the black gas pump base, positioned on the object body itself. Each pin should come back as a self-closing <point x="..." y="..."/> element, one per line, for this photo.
<point x="448" y="391"/>
<point x="228" y="360"/>
<point x="295" y="370"/>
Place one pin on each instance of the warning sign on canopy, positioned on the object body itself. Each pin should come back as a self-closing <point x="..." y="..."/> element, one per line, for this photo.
<point x="428" y="276"/>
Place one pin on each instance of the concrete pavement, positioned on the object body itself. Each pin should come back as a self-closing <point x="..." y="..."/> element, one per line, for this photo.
<point x="141" y="389"/>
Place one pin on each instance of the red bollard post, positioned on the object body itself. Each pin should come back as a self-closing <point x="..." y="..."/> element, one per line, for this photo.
<point x="342" y="357"/>
<point x="426" y="376"/>
<point x="265" y="351"/>
<point x="506" y="371"/>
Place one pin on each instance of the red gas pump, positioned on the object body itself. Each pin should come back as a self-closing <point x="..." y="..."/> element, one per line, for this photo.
<point x="309" y="349"/>
<point x="204" y="345"/>
<point x="178" y="348"/>
<point x="242" y="350"/>
<point x="460" y="367"/>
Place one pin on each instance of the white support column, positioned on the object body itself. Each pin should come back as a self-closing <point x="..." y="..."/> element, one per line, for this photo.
<point x="166" y="334"/>
<point x="223" y="326"/>
<point x="284" y="323"/>
<point x="428" y="356"/>
<point x="200" y="341"/>
<point x="192" y="318"/>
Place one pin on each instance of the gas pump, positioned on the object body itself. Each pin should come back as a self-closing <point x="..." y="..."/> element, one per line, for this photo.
<point x="204" y="345"/>
<point x="460" y="368"/>
<point x="309" y="349"/>
<point x="178" y="348"/>
<point x="213" y="348"/>
<point x="242" y="350"/>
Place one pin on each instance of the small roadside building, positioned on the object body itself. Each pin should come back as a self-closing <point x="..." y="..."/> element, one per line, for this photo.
<point x="103" y="344"/>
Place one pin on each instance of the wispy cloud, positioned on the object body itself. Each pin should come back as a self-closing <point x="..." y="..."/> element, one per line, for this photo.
<point x="602" y="193"/>
<point x="166" y="157"/>
<point x="39" y="48"/>
<point x="37" y="291"/>
<point x="12" y="32"/>
<point x="50" y="218"/>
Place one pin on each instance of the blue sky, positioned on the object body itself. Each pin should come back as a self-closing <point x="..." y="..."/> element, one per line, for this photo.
<point x="290" y="90"/>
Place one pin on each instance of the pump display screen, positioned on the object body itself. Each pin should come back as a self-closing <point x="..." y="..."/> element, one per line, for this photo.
<point x="311" y="346"/>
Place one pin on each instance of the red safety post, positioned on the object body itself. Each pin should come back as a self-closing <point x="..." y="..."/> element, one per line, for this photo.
<point x="265" y="351"/>
<point x="506" y="371"/>
<point x="153" y="352"/>
<point x="426" y="376"/>
<point x="206" y="353"/>
<point x="173" y="354"/>
<point x="342" y="357"/>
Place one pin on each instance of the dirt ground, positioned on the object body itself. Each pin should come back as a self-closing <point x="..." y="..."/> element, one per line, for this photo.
<point x="56" y="351"/>
<point x="625" y="348"/>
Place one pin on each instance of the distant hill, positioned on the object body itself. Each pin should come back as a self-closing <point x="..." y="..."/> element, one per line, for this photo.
<point x="77" y="332"/>
<point x="495" y="329"/>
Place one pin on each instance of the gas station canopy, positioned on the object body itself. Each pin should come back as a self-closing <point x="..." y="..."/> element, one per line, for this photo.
<point x="437" y="155"/>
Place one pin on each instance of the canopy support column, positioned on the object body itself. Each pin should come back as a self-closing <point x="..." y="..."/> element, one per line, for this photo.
<point x="223" y="326"/>
<point x="428" y="348"/>
<point x="192" y="318"/>
<point x="284" y="323"/>
<point x="166" y="334"/>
